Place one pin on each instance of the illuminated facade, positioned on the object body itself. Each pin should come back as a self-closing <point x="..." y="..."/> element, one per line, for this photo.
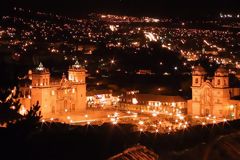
<point x="101" y="99"/>
<point x="213" y="97"/>
<point x="56" y="97"/>
<point x="151" y="102"/>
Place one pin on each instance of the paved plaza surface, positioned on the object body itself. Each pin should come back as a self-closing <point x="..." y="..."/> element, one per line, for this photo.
<point x="145" y="121"/>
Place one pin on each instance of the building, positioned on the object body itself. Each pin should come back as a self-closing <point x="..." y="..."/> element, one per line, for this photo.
<point x="101" y="99"/>
<point x="136" y="152"/>
<point x="152" y="102"/>
<point x="213" y="96"/>
<point x="144" y="72"/>
<point x="55" y="97"/>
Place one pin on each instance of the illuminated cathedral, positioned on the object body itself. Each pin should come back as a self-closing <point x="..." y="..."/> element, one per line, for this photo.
<point x="213" y="96"/>
<point x="55" y="96"/>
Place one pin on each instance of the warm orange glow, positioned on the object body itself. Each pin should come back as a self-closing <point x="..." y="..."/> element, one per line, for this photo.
<point x="22" y="110"/>
<point x="134" y="101"/>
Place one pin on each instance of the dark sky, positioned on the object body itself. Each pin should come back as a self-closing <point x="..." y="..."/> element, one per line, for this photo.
<point x="130" y="7"/>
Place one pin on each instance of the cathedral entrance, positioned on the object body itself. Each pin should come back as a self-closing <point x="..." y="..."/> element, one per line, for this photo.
<point x="206" y="101"/>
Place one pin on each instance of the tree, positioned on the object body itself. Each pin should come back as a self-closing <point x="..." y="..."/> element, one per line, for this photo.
<point x="27" y="122"/>
<point x="9" y="108"/>
<point x="10" y="112"/>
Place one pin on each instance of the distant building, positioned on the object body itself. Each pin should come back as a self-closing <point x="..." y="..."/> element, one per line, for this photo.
<point x="152" y="102"/>
<point x="144" y="72"/>
<point x="55" y="97"/>
<point x="86" y="49"/>
<point x="213" y="97"/>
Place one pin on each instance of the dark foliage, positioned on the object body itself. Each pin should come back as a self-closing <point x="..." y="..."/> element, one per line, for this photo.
<point x="9" y="107"/>
<point x="62" y="141"/>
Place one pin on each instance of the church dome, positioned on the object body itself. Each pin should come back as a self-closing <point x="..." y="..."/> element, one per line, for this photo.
<point x="198" y="70"/>
<point x="221" y="71"/>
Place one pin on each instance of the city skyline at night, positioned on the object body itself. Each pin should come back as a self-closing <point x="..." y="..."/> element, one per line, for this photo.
<point x="120" y="79"/>
<point x="184" y="8"/>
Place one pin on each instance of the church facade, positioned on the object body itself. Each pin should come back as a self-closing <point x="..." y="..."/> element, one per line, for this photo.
<point x="213" y="97"/>
<point x="55" y="97"/>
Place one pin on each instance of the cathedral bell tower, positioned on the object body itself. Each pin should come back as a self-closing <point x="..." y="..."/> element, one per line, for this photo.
<point x="198" y="75"/>
<point x="77" y="75"/>
<point x="40" y="88"/>
<point x="198" y="78"/>
<point x="221" y="84"/>
<point x="221" y="78"/>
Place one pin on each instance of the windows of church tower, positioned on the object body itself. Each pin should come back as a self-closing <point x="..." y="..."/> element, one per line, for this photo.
<point x="46" y="81"/>
<point x="218" y="82"/>
<point x="196" y="80"/>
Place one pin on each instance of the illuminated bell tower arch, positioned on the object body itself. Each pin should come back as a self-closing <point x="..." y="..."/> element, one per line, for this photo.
<point x="77" y="75"/>
<point x="40" y="88"/>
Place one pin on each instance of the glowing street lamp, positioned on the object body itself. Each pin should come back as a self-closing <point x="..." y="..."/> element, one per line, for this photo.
<point x="68" y="117"/>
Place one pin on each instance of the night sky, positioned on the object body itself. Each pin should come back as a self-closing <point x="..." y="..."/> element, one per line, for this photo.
<point x="129" y="7"/>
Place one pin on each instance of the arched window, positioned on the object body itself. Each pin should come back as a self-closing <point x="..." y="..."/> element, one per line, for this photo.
<point x="43" y="81"/>
<point x="46" y="81"/>
<point x="218" y="82"/>
<point x="225" y="83"/>
<point x="196" y="80"/>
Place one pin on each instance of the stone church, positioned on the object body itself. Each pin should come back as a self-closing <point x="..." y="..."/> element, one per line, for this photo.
<point x="55" y="96"/>
<point x="213" y="96"/>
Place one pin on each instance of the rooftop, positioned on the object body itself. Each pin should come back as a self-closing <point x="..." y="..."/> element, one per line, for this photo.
<point x="136" y="153"/>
